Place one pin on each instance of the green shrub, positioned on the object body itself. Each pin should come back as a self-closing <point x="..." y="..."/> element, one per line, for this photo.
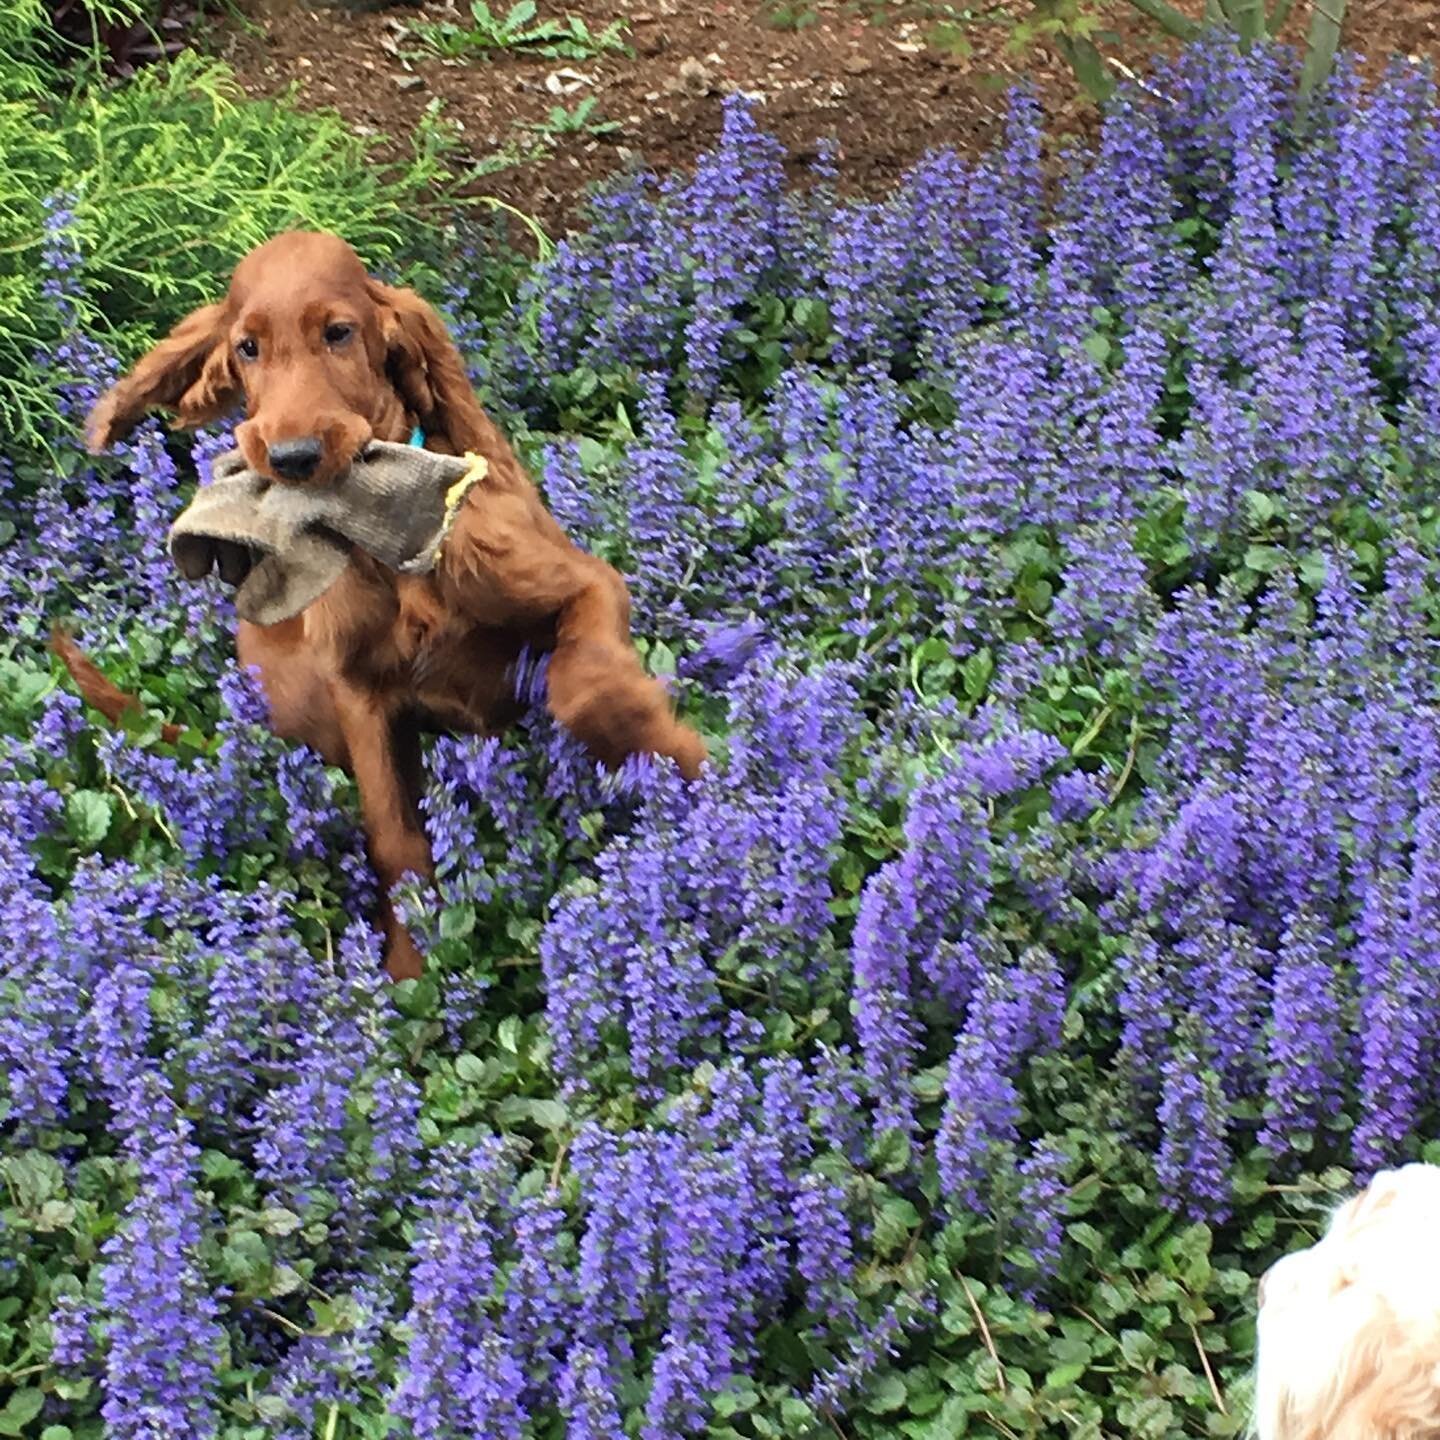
<point x="1075" y="25"/>
<point x="28" y="69"/>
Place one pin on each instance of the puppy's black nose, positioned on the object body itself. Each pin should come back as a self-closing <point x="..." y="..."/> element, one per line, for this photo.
<point x="294" y="459"/>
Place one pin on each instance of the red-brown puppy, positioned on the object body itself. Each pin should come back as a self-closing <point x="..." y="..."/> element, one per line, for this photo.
<point x="323" y="358"/>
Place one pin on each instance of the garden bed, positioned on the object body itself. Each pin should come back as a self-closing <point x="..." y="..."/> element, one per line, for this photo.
<point x="1052" y="938"/>
<point x="872" y="86"/>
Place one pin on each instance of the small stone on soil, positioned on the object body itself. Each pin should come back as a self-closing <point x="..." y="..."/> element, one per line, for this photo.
<point x="694" y="77"/>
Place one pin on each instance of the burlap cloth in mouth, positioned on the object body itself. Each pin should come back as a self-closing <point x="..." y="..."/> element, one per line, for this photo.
<point x="284" y="545"/>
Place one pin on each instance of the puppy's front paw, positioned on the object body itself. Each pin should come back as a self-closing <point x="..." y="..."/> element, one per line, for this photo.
<point x="687" y="750"/>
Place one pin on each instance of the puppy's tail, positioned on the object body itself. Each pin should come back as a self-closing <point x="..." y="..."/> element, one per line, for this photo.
<point x="108" y="698"/>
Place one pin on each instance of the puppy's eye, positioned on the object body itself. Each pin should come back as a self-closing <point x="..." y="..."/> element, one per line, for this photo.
<point x="248" y="348"/>
<point x="338" y="333"/>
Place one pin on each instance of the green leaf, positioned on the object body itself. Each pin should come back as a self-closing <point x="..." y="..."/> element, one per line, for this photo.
<point x="736" y="1401"/>
<point x="245" y="1260"/>
<point x="1139" y="1349"/>
<point x="416" y="998"/>
<point x="22" y="1407"/>
<point x="1263" y="507"/>
<point x="1266" y="559"/>
<point x="22" y="690"/>
<point x="1098" y="348"/>
<point x="276" y="1220"/>
<point x="976" y="671"/>
<point x="923" y="1392"/>
<point x="1148" y="1419"/>
<point x="214" y="1165"/>
<point x="87" y="818"/>
<point x="470" y="1068"/>
<point x="886" y="1395"/>
<point x="548" y="1115"/>
<point x="55" y="1215"/>
<point x="952" y="1419"/>
<point x="1091" y="733"/>
<point x="1314" y="570"/>
<point x="285" y="1280"/>
<point x="593" y="455"/>
<point x="457" y="922"/>
<point x="35" y="1177"/>
<point x="895" y="1218"/>
<point x="508" y="1034"/>
<point x="1063" y="1376"/>
<point x="890" y="1152"/>
<point x="799" y="1418"/>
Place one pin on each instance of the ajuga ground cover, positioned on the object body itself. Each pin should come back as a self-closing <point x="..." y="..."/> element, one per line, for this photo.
<point x="1057" y="930"/>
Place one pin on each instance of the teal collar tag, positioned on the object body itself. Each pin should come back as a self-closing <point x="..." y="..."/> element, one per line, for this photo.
<point x="417" y="437"/>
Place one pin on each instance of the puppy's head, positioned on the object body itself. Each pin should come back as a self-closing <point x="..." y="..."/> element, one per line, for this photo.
<point x="322" y="358"/>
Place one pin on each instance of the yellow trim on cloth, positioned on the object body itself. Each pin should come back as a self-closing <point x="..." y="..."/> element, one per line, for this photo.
<point x="478" y="468"/>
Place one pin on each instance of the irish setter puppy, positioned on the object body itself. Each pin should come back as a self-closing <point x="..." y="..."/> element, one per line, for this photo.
<point x="323" y="358"/>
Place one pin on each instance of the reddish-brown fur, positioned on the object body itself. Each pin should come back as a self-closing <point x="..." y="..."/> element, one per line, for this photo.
<point x="381" y="656"/>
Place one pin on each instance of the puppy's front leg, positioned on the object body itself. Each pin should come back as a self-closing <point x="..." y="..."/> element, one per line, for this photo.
<point x="395" y="836"/>
<point x="507" y="557"/>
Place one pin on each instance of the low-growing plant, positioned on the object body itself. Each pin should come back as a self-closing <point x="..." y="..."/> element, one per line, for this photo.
<point x="122" y="35"/>
<point x="1075" y="25"/>
<point x="790" y="14"/>
<point x="43" y="39"/>
<point x="566" y="38"/>
<point x="582" y="120"/>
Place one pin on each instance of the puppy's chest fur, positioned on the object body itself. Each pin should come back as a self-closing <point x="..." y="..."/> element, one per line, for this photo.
<point x="397" y="635"/>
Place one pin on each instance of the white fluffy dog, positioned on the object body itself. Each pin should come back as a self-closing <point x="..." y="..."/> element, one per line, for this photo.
<point x="1349" y="1330"/>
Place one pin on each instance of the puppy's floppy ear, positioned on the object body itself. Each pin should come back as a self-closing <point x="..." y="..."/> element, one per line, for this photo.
<point x="191" y="372"/>
<point x="426" y="368"/>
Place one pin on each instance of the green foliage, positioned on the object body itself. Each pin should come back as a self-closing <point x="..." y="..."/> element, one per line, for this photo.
<point x="1075" y="27"/>
<point x="24" y="32"/>
<point x="42" y="39"/>
<point x="569" y="38"/>
<point x="1155" y="1336"/>
<point x="582" y="120"/>
<point x="789" y="14"/>
<point x="171" y="179"/>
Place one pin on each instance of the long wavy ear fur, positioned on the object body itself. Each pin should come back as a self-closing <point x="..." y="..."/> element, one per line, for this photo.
<point x="191" y="372"/>
<point x="426" y="368"/>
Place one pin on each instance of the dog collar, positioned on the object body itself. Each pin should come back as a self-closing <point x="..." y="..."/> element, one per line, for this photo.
<point x="417" y="438"/>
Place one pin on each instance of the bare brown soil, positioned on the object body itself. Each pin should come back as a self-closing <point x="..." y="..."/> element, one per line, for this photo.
<point x="879" y="82"/>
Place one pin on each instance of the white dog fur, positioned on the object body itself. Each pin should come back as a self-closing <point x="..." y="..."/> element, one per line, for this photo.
<point x="1349" y="1330"/>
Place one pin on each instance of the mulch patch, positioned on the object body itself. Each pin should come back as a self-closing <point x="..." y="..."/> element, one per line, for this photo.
<point x="872" y="86"/>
